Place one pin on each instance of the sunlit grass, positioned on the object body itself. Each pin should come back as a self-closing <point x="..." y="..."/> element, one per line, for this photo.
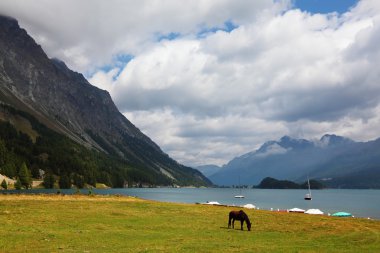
<point x="54" y="223"/>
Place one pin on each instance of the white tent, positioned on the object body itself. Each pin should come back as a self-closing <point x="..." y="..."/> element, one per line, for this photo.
<point x="296" y="210"/>
<point x="314" y="211"/>
<point x="212" y="203"/>
<point x="249" y="206"/>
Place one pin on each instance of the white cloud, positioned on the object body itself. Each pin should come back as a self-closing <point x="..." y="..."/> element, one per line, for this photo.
<point x="205" y="99"/>
<point x="104" y="80"/>
<point x="88" y="33"/>
<point x="198" y="140"/>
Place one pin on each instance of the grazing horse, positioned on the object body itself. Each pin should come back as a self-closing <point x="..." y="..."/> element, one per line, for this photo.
<point x="241" y="216"/>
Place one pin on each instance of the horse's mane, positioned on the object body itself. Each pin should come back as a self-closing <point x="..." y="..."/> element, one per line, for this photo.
<point x="245" y="216"/>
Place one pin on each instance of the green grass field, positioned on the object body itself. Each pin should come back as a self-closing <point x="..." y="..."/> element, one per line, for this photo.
<point x="46" y="223"/>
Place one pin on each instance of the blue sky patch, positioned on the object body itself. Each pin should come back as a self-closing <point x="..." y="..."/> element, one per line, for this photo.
<point x="169" y="36"/>
<point x="228" y="26"/>
<point x="118" y="61"/>
<point x="325" y="6"/>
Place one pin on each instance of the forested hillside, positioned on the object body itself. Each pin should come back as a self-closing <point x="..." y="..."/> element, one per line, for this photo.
<point x="55" y="154"/>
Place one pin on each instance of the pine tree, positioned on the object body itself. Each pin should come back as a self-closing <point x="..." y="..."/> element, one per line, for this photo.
<point x="25" y="176"/>
<point x="18" y="184"/>
<point x="78" y="180"/>
<point x="4" y="184"/>
<point x="49" y="180"/>
<point x="3" y="153"/>
<point x="64" y="182"/>
<point x="9" y="170"/>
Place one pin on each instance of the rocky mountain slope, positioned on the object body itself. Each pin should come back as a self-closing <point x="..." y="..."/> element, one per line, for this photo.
<point x="67" y="103"/>
<point x="337" y="161"/>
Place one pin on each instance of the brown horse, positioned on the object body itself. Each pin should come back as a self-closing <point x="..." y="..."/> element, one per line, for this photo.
<point x="241" y="216"/>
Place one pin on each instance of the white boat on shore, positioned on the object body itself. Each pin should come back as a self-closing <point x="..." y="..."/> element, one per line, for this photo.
<point x="212" y="203"/>
<point x="314" y="211"/>
<point x="296" y="210"/>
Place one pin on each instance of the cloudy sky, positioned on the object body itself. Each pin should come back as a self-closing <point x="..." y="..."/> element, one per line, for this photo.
<point x="209" y="80"/>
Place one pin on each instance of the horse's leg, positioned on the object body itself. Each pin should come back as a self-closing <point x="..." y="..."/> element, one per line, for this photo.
<point x="241" y="224"/>
<point x="233" y="222"/>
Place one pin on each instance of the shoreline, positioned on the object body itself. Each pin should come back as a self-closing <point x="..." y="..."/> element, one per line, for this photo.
<point x="127" y="198"/>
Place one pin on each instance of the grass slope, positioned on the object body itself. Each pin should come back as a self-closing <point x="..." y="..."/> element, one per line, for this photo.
<point x="45" y="223"/>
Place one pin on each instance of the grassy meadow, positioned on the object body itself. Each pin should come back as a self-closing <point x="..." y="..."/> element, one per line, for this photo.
<point x="79" y="223"/>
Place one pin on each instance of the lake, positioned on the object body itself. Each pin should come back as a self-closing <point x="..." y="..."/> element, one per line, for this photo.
<point x="361" y="203"/>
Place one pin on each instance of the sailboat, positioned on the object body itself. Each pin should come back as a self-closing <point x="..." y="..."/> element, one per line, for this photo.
<point x="308" y="195"/>
<point x="239" y="196"/>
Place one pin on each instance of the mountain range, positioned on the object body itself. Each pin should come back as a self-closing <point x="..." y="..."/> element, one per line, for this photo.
<point x="337" y="161"/>
<point x="35" y="88"/>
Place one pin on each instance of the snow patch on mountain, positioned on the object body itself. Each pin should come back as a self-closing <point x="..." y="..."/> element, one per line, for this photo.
<point x="272" y="149"/>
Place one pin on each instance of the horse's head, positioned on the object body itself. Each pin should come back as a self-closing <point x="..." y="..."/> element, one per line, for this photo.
<point x="248" y="225"/>
<point x="247" y="221"/>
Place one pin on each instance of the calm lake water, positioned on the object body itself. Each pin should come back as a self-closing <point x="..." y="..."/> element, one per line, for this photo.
<point x="361" y="203"/>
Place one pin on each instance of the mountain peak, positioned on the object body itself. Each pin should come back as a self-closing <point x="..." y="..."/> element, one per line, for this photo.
<point x="292" y="143"/>
<point x="9" y="22"/>
<point x="333" y="140"/>
<point x="11" y="31"/>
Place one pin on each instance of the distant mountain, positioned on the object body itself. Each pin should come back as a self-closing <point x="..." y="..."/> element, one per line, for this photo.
<point x="337" y="161"/>
<point x="209" y="169"/>
<point x="64" y="101"/>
